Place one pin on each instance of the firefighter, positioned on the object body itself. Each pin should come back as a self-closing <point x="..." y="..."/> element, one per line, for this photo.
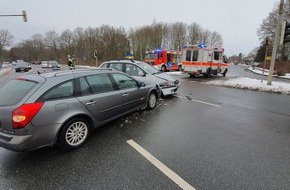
<point x="71" y="63"/>
<point x="74" y="63"/>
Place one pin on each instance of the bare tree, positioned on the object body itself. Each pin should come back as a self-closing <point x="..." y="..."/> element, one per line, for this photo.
<point x="178" y="35"/>
<point x="159" y="31"/>
<point x="114" y="43"/>
<point x="205" y="36"/>
<point x="6" y="39"/>
<point x="91" y="41"/>
<point x="269" y="24"/>
<point x="52" y="43"/>
<point x="38" y="46"/>
<point x="215" y="39"/>
<point x="67" y="42"/>
<point x="80" y="46"/>
<point x="26" y="50"/>
<point x="194" y="33"/>
<point x="268" y="27"/>
<point x="141" y="39"/>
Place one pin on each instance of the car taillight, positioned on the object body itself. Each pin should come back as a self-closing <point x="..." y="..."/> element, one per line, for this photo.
<point x="24" y="114"/>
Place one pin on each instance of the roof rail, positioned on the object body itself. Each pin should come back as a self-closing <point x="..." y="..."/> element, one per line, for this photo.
<point x="55" y="73"/>
<point x="38" y="72"/>
<point x="132" y="60"/>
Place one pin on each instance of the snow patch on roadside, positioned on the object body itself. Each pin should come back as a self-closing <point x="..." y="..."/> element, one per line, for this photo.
<point x="253" y="84"/>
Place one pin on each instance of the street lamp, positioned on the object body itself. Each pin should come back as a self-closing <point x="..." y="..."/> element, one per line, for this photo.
<point x="24" y="16"/>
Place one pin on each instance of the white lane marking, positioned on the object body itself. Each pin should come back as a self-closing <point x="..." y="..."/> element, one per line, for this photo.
<point x="207" y="103"/>
<point x="169" y="173"/>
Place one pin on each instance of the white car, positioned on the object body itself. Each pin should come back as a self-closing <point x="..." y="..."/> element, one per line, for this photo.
<point x="144" y="72"/>
<point x="50" y="64"/>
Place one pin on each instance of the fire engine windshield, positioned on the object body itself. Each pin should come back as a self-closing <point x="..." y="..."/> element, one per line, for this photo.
<point x="150" y="56"/>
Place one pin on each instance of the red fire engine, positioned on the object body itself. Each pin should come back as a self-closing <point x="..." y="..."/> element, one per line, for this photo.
<point x="204" y="60"/>
<point x="164" y="60"/>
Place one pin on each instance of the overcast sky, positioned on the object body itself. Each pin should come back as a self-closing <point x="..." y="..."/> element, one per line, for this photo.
<point x="236" y="20"/>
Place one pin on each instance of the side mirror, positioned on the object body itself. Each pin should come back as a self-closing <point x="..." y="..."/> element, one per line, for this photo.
<point x="225" y="59"/>
<point x="141" y="84"/>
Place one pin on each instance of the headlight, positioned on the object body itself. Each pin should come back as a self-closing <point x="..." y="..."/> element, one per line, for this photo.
<point x="167" y="84"/>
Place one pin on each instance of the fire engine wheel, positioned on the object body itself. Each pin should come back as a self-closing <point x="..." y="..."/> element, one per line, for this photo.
<point x="163" y="68"/>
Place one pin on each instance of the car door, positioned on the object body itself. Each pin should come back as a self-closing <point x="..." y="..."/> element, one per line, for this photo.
<point x="99" y="97"/>
<point x="133" y="96"/>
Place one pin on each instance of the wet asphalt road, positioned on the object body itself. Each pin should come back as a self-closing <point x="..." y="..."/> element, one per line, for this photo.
<point x="212" y="137"/>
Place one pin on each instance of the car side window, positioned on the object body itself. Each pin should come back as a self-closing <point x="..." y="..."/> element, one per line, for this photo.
<point x="106" y="65"/>
<point x="63" y="90"/>
<point x="124" y="82"/>
<point x="133" y="70"/>
<point x="85" y="88"/>
<point x="117" y="66"/>
<point x="100" y="83"/>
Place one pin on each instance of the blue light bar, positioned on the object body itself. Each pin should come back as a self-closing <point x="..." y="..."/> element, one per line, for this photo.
<point x="202" y="45"/>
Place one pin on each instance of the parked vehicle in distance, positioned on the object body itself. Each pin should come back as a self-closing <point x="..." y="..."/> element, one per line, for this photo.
<point x="50" y="64"/>
<point x="44" y="64"/>
<point x="16" y="61"/>
<point x="164" y="60"/>
<point x="36" y="62"/>
<point x="144" y="72"/>
<point x="22" y="66"/>
<point x="62" y="107"/>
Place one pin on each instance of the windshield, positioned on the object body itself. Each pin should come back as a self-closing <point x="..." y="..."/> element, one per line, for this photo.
<point x="150" y="56"/>
<point x="13" y="91"/>
<point x="21" y="64"/>
<point x="148" y="68"/>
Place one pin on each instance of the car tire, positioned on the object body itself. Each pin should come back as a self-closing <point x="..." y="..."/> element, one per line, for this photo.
<point x="163" y="68"/>
<point x="152" y="101"/>
<point x="179" y="67"/>
<point x="74" y="133"/>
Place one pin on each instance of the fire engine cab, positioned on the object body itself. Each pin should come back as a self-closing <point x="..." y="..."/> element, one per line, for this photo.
<point x="164" y="60"/>
<point x="204" y="60"/>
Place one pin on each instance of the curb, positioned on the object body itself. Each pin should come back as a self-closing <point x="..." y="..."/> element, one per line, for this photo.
<point x="276" y="76"/>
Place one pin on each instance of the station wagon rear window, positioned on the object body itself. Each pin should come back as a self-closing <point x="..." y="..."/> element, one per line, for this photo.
<point x="14" y="91"/>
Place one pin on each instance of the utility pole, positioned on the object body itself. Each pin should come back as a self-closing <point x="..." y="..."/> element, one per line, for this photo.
<point x="276" y="41"/>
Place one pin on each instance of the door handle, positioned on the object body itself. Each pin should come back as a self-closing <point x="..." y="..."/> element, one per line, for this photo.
<point x="125" y="94"/>
<point x="91" y="102"/>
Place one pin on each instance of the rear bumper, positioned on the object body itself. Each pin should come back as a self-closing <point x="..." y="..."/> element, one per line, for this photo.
<point x="42" y="136"/>
<point x="13" y="142"/>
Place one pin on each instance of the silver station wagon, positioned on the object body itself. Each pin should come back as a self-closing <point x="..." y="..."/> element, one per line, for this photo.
<point x="62" y="107"/>
<point x="144" y="72"/>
